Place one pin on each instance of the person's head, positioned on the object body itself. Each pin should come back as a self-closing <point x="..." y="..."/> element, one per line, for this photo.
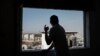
<point x="54" y="20"/>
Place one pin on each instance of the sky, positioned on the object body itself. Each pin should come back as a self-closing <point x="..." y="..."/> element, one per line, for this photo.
<point x="34" y="19"/>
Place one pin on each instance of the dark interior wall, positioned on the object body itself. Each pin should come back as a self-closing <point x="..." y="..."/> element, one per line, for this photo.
<point x="60" y="4"/>
<point x="9" y="23"/>
<point x="7" y="28"/>
<point x="95" y="38"/>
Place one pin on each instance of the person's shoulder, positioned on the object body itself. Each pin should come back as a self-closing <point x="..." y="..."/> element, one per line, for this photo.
<point x="61" y="26"/>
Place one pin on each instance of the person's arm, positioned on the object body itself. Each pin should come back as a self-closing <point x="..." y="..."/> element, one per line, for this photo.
<point x="52" y="45"/>
<point x="47" y="50"/>
<point x="47" y="38"/>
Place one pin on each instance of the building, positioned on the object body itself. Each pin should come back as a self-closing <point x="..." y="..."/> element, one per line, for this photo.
<point x="31" y="40"/>
<point x="37" y="41"/>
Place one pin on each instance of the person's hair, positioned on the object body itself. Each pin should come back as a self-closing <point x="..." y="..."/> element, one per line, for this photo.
<point x="54" y="19"/>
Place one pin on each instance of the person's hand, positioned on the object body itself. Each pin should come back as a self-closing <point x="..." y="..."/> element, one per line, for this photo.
<point x="46" y="28"/>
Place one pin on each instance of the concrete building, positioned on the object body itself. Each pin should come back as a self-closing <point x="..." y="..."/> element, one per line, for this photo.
<point x="37" y="41"/>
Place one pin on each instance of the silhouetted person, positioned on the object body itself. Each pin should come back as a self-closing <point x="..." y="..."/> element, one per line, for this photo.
<point x="56" y="37"/>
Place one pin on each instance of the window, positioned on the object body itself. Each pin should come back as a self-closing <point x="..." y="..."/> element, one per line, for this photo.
<point x="34" y="19"/>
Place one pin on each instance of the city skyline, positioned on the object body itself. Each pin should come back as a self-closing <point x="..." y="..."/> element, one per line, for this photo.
<point x="34" y="20"/>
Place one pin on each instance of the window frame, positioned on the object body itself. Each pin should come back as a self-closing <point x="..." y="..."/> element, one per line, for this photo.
<point x="19" y="30"/>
